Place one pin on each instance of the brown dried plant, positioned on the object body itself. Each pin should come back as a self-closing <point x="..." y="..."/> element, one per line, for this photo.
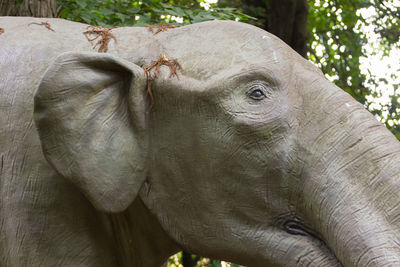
<point x="1" y="31"/>
<point x="154" y="66"/>
<point x="160" y="28"/>
<point x="103" y="33"/>
<point x="46" y="24"/>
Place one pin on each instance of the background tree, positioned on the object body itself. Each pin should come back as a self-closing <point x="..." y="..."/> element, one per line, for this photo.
<point x="31" y="8"/>
<point x="286" y="19"/>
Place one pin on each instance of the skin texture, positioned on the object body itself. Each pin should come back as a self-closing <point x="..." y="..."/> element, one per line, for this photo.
<point x="91" y="176"/>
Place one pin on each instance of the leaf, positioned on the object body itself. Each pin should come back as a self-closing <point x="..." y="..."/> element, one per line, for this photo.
<point x="97" y="13"/>
<point x="215" y="263"/>
<point x="122" y="16"/>
<point x="86" y="17"/>
<point x="106" y="11"/>
<point x="81" y="3"/>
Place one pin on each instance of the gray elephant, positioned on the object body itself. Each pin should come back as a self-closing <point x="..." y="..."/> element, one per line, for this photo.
<point x="215" y="138"/>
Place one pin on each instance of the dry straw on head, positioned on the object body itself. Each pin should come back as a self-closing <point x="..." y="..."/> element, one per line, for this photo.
<point x="160" y="28"/>
<point x="46" y="24"/>
<point x="154" y="66"/>
<point x="100" y="32"/>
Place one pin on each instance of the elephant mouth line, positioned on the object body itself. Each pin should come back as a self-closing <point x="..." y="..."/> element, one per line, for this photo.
<point x="293" y="225"/>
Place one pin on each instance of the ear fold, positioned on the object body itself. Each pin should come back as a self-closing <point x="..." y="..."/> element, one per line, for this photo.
<point x="90" y="113"/>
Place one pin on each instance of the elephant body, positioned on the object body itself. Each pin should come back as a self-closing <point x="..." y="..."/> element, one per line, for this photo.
<point x="215" y="138"/>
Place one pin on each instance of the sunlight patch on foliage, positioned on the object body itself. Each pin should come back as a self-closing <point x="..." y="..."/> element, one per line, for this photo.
<point x="355" y="43"/>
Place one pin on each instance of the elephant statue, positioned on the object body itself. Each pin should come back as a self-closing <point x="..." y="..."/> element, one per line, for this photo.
<point x="122" y="146"/>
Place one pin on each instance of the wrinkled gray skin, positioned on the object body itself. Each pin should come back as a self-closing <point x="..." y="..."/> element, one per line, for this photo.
<point x="90" y="176"/>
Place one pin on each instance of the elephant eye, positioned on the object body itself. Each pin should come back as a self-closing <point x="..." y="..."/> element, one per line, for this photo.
<point x="257" y="92"/>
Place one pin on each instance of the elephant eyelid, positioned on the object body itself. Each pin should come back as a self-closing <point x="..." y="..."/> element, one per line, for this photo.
<point x="261" y="75"/>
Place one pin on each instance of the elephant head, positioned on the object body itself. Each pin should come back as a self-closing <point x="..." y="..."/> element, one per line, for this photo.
<point x="251" y="156"/>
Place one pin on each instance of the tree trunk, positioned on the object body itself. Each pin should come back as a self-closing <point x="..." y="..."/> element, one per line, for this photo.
<point x="287" y="19"/>
<point x="188" y="261"/>
<point x="29" y="8"/>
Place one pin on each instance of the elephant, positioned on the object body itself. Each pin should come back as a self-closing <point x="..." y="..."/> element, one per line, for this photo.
<point x="123" y="146"/>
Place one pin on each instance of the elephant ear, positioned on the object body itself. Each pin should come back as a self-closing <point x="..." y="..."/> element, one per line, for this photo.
<point x="90" y="112"/>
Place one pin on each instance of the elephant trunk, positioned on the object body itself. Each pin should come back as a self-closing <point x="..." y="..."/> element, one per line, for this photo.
<point x="357" y="227"/>
<point x="352" y="196"/>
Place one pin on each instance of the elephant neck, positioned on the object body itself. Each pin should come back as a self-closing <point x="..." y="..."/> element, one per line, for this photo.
<point x="140" y="240"/>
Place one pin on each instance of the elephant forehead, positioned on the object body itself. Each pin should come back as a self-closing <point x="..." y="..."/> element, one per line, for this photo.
<point x="205" y="49"/>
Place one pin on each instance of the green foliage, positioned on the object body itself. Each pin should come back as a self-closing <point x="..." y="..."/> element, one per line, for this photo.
<point x="337" y="43"/>
<point x="257" y="9"/>
<point x="387" y="22"/>
<point x="336" y="34"/>
<point x="108" y="13"/>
